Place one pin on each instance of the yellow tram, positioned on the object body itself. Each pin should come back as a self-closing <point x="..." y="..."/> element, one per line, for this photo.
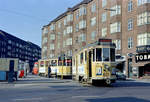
<point x="95" y="63"/>
<point x="65" y="67"/>
<point x="54" y="66"/>
<point x="59" y="67"/>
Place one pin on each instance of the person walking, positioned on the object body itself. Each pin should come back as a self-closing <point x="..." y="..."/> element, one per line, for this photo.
<point x="49" y="71"/>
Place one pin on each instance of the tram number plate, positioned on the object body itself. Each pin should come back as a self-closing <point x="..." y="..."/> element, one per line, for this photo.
<point x="99" y="71"/>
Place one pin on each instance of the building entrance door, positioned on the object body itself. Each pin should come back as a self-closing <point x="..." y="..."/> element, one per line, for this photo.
<point x="130" y="73"/>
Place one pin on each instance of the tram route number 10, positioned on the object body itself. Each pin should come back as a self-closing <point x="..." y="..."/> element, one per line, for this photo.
<point x="99" y="71"/>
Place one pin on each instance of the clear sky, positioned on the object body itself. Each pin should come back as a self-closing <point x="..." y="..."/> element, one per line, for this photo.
<point x="25" y="18"/>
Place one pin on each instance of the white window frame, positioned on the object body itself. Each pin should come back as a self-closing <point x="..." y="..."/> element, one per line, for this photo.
<point x="130" y="6"/>
<point x="130" y="24"/>
<point x="104" y="17"/>
<point x="93" y="21"/>
<point x="104" y="32"/>
<point x="130" y="42"/>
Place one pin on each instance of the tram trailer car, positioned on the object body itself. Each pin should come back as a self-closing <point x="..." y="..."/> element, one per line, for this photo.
<point x="43" y="67"/>
<point x="95" y="63"/>
<point x="54" y="67"/>
<point x="65" y="68"/>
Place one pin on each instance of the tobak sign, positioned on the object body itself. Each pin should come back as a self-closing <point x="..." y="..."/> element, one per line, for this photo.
<point x="142" y="57"/>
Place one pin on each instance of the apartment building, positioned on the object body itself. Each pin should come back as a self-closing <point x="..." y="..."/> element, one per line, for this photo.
<point x="13" y="47"/>
<point x="126" y="22"/>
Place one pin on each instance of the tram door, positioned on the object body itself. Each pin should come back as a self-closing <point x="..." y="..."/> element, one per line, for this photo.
<point x="90" y="64"/>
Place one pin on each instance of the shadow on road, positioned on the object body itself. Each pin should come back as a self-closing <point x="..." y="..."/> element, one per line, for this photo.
<point x="131" y="84"/>
<point x="117" y="99"/>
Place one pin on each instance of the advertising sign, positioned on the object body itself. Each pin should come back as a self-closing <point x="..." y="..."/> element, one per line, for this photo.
<point x="99" y="71"/>
<point x="142" y="57"/>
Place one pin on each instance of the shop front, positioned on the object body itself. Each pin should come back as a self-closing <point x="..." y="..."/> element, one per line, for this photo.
<point x="142" y="61"/>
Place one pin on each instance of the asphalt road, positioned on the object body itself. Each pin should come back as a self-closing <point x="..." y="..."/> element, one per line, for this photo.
<point x="39" y="89"/>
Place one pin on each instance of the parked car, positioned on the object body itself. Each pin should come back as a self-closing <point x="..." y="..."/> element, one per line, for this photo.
<point x="120" y="76"/>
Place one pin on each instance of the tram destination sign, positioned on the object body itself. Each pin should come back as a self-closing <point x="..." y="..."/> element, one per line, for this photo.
<point x="142" y="57"/>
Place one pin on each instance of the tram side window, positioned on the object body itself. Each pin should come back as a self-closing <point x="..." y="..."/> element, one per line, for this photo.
<point x="112" y="54"/>
<point x="85" y="56"/>
<point x="81" y="58"/>
<point x="60" y="63"/>
<point x="98" y="54"/>
<point x="54" y="62"/>
<point x="42" y="64"/>
<point x="106" y="54"/>
<point x="93" y="55"/>
<point x="68" y="62"/>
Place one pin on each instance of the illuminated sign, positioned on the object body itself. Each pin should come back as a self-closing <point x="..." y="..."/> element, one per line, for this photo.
<point x="142" y="57"/>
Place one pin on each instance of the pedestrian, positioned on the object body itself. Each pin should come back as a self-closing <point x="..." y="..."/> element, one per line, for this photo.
<point x="49" y="71"/>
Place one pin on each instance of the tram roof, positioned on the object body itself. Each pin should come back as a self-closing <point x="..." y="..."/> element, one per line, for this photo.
<point x="98" y="43"/>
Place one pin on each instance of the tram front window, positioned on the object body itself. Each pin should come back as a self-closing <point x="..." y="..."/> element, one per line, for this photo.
<point x="106" y="54"/>
<point x="98" y="54"/>
<point x="112" y="54"/>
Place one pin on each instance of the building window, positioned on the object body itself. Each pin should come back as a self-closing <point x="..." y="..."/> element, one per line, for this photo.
<point x="77" y="15"/>
<point x="104" y="3"/>
<point x="69" y="18"/>
<point x="51" y="55"/>
<point x="93" y="7"/>
<point x="45" y="31"/>
<point x="77" y="27"/>
<point x="69" y="29"/>
<point x="118" y="44"/>
<point x="93" y="35"/>
<point x="104" y="17"/>
<point x="130" y="42"/>
<point x="82" y="24"/>
<point x="143" y="18"/>
<point x="69" y="41"/>
<point x="59" y="25"/>
<point x="52" y="37"/>
<point x="52" y="47"/>
<point x="58" y="45"/>
<point x="65" y="21"/>
<point x="69" y="53"/>
<point x="44" y="40"/>
<point x="143" y="39"/>
<point x="59" y="36"/>
<point x="82" y="38"/>
<point x="115" y="27"/>
<point x="93" y="21"/>
<point x="141" y="2"/>
<point x="82" y="11"/>
<point x="52" y="27"/>
<point x="130" y="24"/>
<point x="104" y="32"/>
<point x="44" y="49"/>
<point x="64" y="43"/>
<point x="116" y="10"/>
<point x="130" y="6"/>
<point x="9" y="41"/>
<point x="64" y="32"/>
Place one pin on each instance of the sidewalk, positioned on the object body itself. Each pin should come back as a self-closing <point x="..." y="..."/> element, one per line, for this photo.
<point x="138" y="79"/>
